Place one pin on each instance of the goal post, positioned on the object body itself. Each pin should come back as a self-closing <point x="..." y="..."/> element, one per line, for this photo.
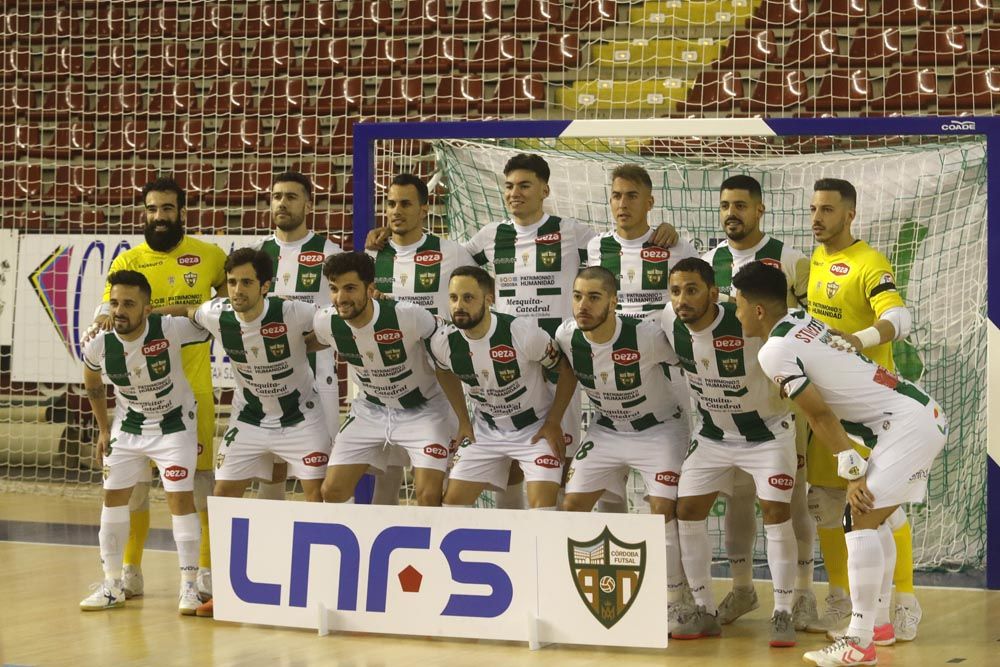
<point x="933" y="168"/>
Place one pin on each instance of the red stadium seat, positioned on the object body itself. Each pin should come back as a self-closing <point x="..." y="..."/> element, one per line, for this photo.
<point x="501" y="53"/>
<point x="812" y="48"/>
<point x="778" y="14"/>
<point x="842" y="90"/>
<point x="840" y="13"/>
<point x="715" y="92"/>
<point x="338" y="95"/>
<point x="777" y="91"/>
<point x="15" y="101"/>
<point x="181" y="136"/>
<point x="397" y="96"/>
<point x="73" y="139"/>
<point x="421" y="17"/>
<point x="15" y="63"/>
<point x="197" y="179"/>
<point x="110" y="21"/>
<point x="938" y="47"/>
<point x="332" y="221"/>
<point x="324" y="57"/>
<point x="261" y="19"/>
<point x="19" y="139"/>
<point x="60" y="63"/>
<point x="227" y="97"/>
<point x="21" y="183"/>
<point x="314" y="19"/>
<point x="438" y="54"/>
<point x="57" y="23"/>
<point x="15" y="26"/>
<point x="988" y="47"/>
<point x="324" y="178"/>
<point x="294" y="135"/>
<point x="246" y="183"/>
<point x="255" y="222"/>
<point x="364" y="18"/>
<point x="556" y="51"/>
<point x="119" y="98"/>
<point x="382" y="55"/>
<point x="972" y="89"/>
<point x="534" y="15"/>
<point x="270" y="58"/>
<point x="210" y="20"/>
<point x="173" y="97"/>
<point x="237" y="136"/>
<point x="906" y="90"/>
<point x="65" y="100"/>
<point x="338" y="140"/>
<point x="85" y="221"/>
<point x="123" y="138"/>
<point x="74" y="183"/>
<point x="517" y="94"/>
<point x="750" y="49"/>
<point x="456" y="96"/>
<point x="965" y="12"/>
<point x="873" y="47"/>
<point x="207" y="221"/>
<point x="592" y="15"/>
<point x="284" y="96"/>
<point x="165" y="59"/>
<point x="219" y="58"/>
<point x="902" y="13"/>
<point x="475" y="16"/>
<point x="124" y="185"/>
<point x="157" y="21"/>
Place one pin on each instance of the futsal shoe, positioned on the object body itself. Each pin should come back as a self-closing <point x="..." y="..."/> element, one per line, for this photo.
<point x="106" y="595"/>
<point x="804" y="611"/>
<point x="884" y="635"/>
<point x="741" y="600"/>
<point x="187" y="600"/>
<point x="132" y="581"/>
<point x="907" y="617"/>
<point x="837" y="616"/>
<point x="206" y="610"/>
<point x="204" y="584"/>
<point x="844" y="651"/>
<point x="697" y="623"/>
<point x="782" y="630"/>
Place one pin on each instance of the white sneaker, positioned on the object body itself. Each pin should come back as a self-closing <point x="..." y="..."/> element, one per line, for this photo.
<point x="132" y="581"/>
<point x="204" y="584"/>
<point x="837" y="616"/>
<point x="737" y="602"/>
<point x="907" y="618"/>
<point x="675" y="611"/>
<point x="188" y="600"/>
<point x="804" y="611"/>
<point x="106" y="595"/>
<point x="842" y="653"/>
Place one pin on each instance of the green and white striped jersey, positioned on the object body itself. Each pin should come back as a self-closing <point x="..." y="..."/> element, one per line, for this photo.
<point x="861" y="393"/>
<point x="735" y="400"/>
<point x="504" y="371"/>
<point x="268" y="356"/>
<point x="153" y="396"/>
<point x="535" y="266"/>
<point x="298" y="274"/>
<point x="388" y="355"/>
<point x="726" y="261"/>
<point x="419" y="273"/>
<point x="627" y="378"/>
<point x="641" y="267"/>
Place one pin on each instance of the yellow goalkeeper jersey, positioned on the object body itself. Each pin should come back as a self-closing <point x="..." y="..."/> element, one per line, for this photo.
<point x="849" y="290"/>
<point x="185" y="275"/>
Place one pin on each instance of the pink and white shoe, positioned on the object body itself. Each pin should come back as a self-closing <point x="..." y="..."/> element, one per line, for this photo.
<point x="841" y="653"/>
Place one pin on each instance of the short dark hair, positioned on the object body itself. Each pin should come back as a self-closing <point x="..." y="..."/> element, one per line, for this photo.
<point x="295" y="177"/>
<point x="480" y="275"/>
<point x="743" y="182"/>
<point x="847" y="191"/>
<point x="761" y="283"/>
<point x="608" y="280"/>
<point x="529" y="162"/>
<point x="164" y="184"/>
<point x="131" y="279"/>
<point x="415" y="181"/>
<point x="696" y="265"/>
<point x="633" y="173"/>
<point x="261" y="261"/>
<point x="345" y="262"/>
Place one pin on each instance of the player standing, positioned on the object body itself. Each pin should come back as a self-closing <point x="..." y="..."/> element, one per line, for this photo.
<point x="843" y="393"/>
<point x="154" y="420"/>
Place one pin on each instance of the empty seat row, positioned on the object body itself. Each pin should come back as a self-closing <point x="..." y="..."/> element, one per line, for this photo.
<point x="774" y="13"/>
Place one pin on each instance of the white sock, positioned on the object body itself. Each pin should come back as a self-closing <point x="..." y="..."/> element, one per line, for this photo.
<point x="187" y="535"/>
<point x="896" y="519"/>
<point x="805" y="538"/>
<point x="612" y="506"/>
<point x="510" y="499"/>
<point x="112" y="536"/>
<point x="865" y="566"/>
<point x="387" y="486"/>
<point x="271" y="490"/>
<point x="781" y="559"/>
<point x="675" y="571"/>
<point x="741" y="533"/>
<point x="889" y="567"/>
<point x="696" y="555"/>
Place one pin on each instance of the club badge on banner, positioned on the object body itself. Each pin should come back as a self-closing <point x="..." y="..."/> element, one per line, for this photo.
<point x="538" y="577"/>
<point x="60" y="283"/>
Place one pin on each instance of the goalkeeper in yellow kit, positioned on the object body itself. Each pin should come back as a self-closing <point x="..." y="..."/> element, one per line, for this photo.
<point x="852" y="290"/>
<point x="181" y="270"/>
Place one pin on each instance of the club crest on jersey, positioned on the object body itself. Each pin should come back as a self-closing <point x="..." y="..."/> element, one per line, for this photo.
<point x="503" y="354"/>
<point x="190" y="278"/>
<point x="388" y="336"/>
<point x="274" y="330"/>
<point x="277" y="349"/>
<point x="286" y="277"/>
<point x="311" y="258"/>
<point x="631" y="274"/>
<point x="393" y="354"/>
<point x="426" y="278"/>
<point x="773" y="263"/>
<point x="158" y="368"/>
<point x="626" y="379"/>
<point x="608" y="574"/>
<point x="840" y="269"/>
<point x="155" y="347"/>
<point x="549" y="239"/>
<point x="654" y="276"/>
<point x="507" y="374"/>
<point x="730" y="365"/>
<point x="728" y="343"/>
<point x="831" y="289"/>
<point x="655" y="254"/>
<point x="427" y="258"/>
<point x="625" y="356"/>
<point x="403" y="277"/>
<point x="189" y="260"/>
<point x="524" y="258"/>
<point x="604" y="377"/>
<point x="548" y="257"/>
<point x="308" y="279"/>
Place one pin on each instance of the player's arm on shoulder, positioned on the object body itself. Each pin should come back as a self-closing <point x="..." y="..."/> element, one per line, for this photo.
<point x="425" y="322"/>
<point x="665" y="235"/>
<point x="377" y="238"/>
<point x="187" y="330"/>
<point x="219" y="279"/>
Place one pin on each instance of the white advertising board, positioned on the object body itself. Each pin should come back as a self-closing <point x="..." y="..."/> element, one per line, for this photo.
<point x="8" y="280"/>
<point x="538" y="577"/>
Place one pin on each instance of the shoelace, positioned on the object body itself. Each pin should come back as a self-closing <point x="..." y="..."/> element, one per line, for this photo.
<point x="841" y="644"/>
<point x="781" y="622"/>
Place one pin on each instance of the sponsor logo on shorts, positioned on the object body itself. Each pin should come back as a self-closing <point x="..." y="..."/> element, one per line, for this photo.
<point x="175" y="473"/>
<point x="189" y="260"/>
<point x="771" y="262"/>
<point x="567" y="439"/>
<point x="311" y="258"/>
<point x="427" y="258"/>
<point x="436" y="451"/>
<point x="388" y="336"/>
<point x="840" y="269"/>
<point x="625" y="356"/>
<point x="547" y="461"/>
<point x="274" y="330"/>
<point x="155" y="347"/>
<point x="548" y="239"/>
<point x="668" y="477"/>
<point x="503" y="354"/>
<point x="316" y="459"/>
<point x="782" y="481"/>
<point x="655" y="254"/>
<point x="728" y="343"/>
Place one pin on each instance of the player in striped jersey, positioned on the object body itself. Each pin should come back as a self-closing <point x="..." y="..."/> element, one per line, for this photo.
<point x="742" y="424"/>
<point x="741" y="207"/>
<point x="502" y="360"/>
<point x="155" y="419"/>
<point x="640" y="419"/>
<point x="843" y="393"/>
<point x="297" y="255"/>
<point x="402" y="401"/>
<point x="852" y="289"/>
<point x="412" y="266"/>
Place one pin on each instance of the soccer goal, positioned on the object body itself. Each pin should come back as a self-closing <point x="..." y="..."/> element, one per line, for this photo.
<point x="922" y="186"/>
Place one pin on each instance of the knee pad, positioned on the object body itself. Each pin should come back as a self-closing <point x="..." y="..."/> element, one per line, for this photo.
<point x="826" y="505"/>
<point x="140" y="498"/>
<point x="204" y="481"/>
<point x="895" y="520"/>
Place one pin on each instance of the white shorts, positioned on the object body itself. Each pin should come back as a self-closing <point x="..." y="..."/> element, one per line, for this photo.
<point x="901" y="460"/>
<point x="175" y="454"/>
<point x="249" y="452"/>
<point x="604" y="459"/>
<point x="424" y="433"/>
<point x="488" y="459"/>
<point x="710" y="466"/>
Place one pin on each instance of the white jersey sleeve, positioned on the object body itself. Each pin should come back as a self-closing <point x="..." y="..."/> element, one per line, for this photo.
<point x="207" y="315"/>
<point x="594" y="251"/>
<point x="780" y="363"/>
<point x="584" y="235"/>
<point x="93" y="351"/>
<point x="184" y="330"/>
<point x="480" y="241"/>
<point x="319" y="320"/>
<point x="651" y="334"/>
<point x="300" y="314"/>
<point x="536" y="343"/>
<point x="439" y="348"/>
<point x="421" y="319"/>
